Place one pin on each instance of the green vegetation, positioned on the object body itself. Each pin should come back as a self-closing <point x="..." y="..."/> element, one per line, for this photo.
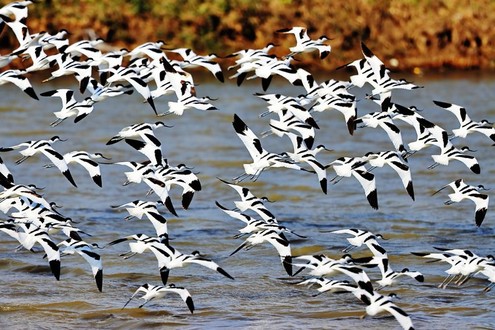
<point x="414" y="33"/>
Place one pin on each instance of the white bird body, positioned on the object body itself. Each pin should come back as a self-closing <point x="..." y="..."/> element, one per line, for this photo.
<point x="304" y="44"/>
<point x="261" y="158"/>
<point x="86" y="251"/>
<point x="158" y="291"/>
<point x="278" y="240"/>
<point x="464" y="191"/>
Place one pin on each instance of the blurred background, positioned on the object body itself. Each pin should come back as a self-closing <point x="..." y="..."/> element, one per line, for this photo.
<point x="413" y="35"/>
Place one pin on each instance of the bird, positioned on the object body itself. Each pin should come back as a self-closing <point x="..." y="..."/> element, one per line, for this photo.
<point x="31" y="234"/>
<point x="158" y="291"/>
<point x="25" y="191"/>
<point x="6" y="177"/>
<point x="467" y="125"/>
<point x="290" y="123"/>
<point x="43" y="146"/>
<point x="347" y="166"/>
<point x="16" y="77"/>
<point x="390" y="276"/>
<point x="129" y="74"/>
<point x="250" y="202"/>
<point x="86" y="160"/>
<point x="377" y="303"/>
<point x="465" y="191"/>
<point x="278" y="240"/>
<point x="304" y="44"/>
<point x="182" y="177"/>
<point x="453" y="153"/>
<point x="255" y="225"/>
<point x="262" y="159"/>
<point x="472" y="263"/>
<point x="359" y="238"/>
<point x="169" y="258"/>
<point x="380" y="80"/>
<point x="139" y="208"/>
<point x="327" y="285"/>
<point x="279" y="103"/>
<point x="191" y="59"/>
<point x="456" y="264"/>
<point x="384" y="120"/>
<point x="70" y="107"/>
<point x="396" y="162"/>
<point x="301" y="154"/>
<point x="150" y="146"/>
<point x="86" y="251"/>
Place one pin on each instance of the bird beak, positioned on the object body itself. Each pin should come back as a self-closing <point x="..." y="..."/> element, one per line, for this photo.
<point x="436" y="192"/>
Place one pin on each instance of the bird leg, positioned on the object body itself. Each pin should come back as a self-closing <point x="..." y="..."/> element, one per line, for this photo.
<point x="432" y="166"/>
<point x="21" y="160"/>
<point x="348" y="248"/>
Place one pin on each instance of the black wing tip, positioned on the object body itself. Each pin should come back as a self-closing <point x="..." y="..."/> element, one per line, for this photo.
<point x="366" y="51"/>
<point x="69" y="177"/>
<point x="170" y="206"/>
<point x="97" y="180"/>
<point x="410" y="189"/>
<point x="442" y="104"/>
<point x="99" y="280"/>
<point x="324" y="185"/>
<point x="224" y="273"/>
<point x="30" y="91"/>
<point x="480" y="216"/>
<point x="186" y="199"/>
<point x="287" y="262"/>
<point x="373" y="199"/>
<point x="219" y="76"/>
<point x="239" y="125"/>
<point x="476" y="169"/>
<point x="55" y="268"/>
<point x="190" y="304"/>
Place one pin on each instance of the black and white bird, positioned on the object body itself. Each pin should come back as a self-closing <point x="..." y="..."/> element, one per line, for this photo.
<point x="139" y="208"/>
<point x="193" y="60"/>
<point x="278" y="240"/>
<point x="465" y="191"/>
<point x="255" y="225"/>
<point x="467" y="125"/>
<point x="31" y="234"/>
<point x="150" y="146"/>
<point x="262" y="159"/>
<point x="86" y="160"/>
<point x="453" y="153"/>
<point x="301" y="154"/>
<point x="86" y="251"/>
<point x="384" y="120"/>
<point x="169" y="258"/>
<point x="354" y="166"/>
<point x="6" y="177"/>
<point x="16" y="77"/>
<point x="250" y="202"/>
<point x="70" y="107"/>
<point x="397" y="163"/>
<point x="359" y="237"/>
<point x="304" y="44"/>
<point x="157" y="291"/>
<point x="44" y="147"/>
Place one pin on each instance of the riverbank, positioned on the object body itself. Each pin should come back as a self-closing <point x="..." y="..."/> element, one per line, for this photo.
<point x="411" y="35"/>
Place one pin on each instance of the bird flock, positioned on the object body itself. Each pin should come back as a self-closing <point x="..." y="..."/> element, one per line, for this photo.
<point x="30" y="218"/>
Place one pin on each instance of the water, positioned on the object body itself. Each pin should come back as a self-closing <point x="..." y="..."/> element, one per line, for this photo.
<point x="262" y="295"/>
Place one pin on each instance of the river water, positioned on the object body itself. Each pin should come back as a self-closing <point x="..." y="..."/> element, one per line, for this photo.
<point x="261" y="295"/>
